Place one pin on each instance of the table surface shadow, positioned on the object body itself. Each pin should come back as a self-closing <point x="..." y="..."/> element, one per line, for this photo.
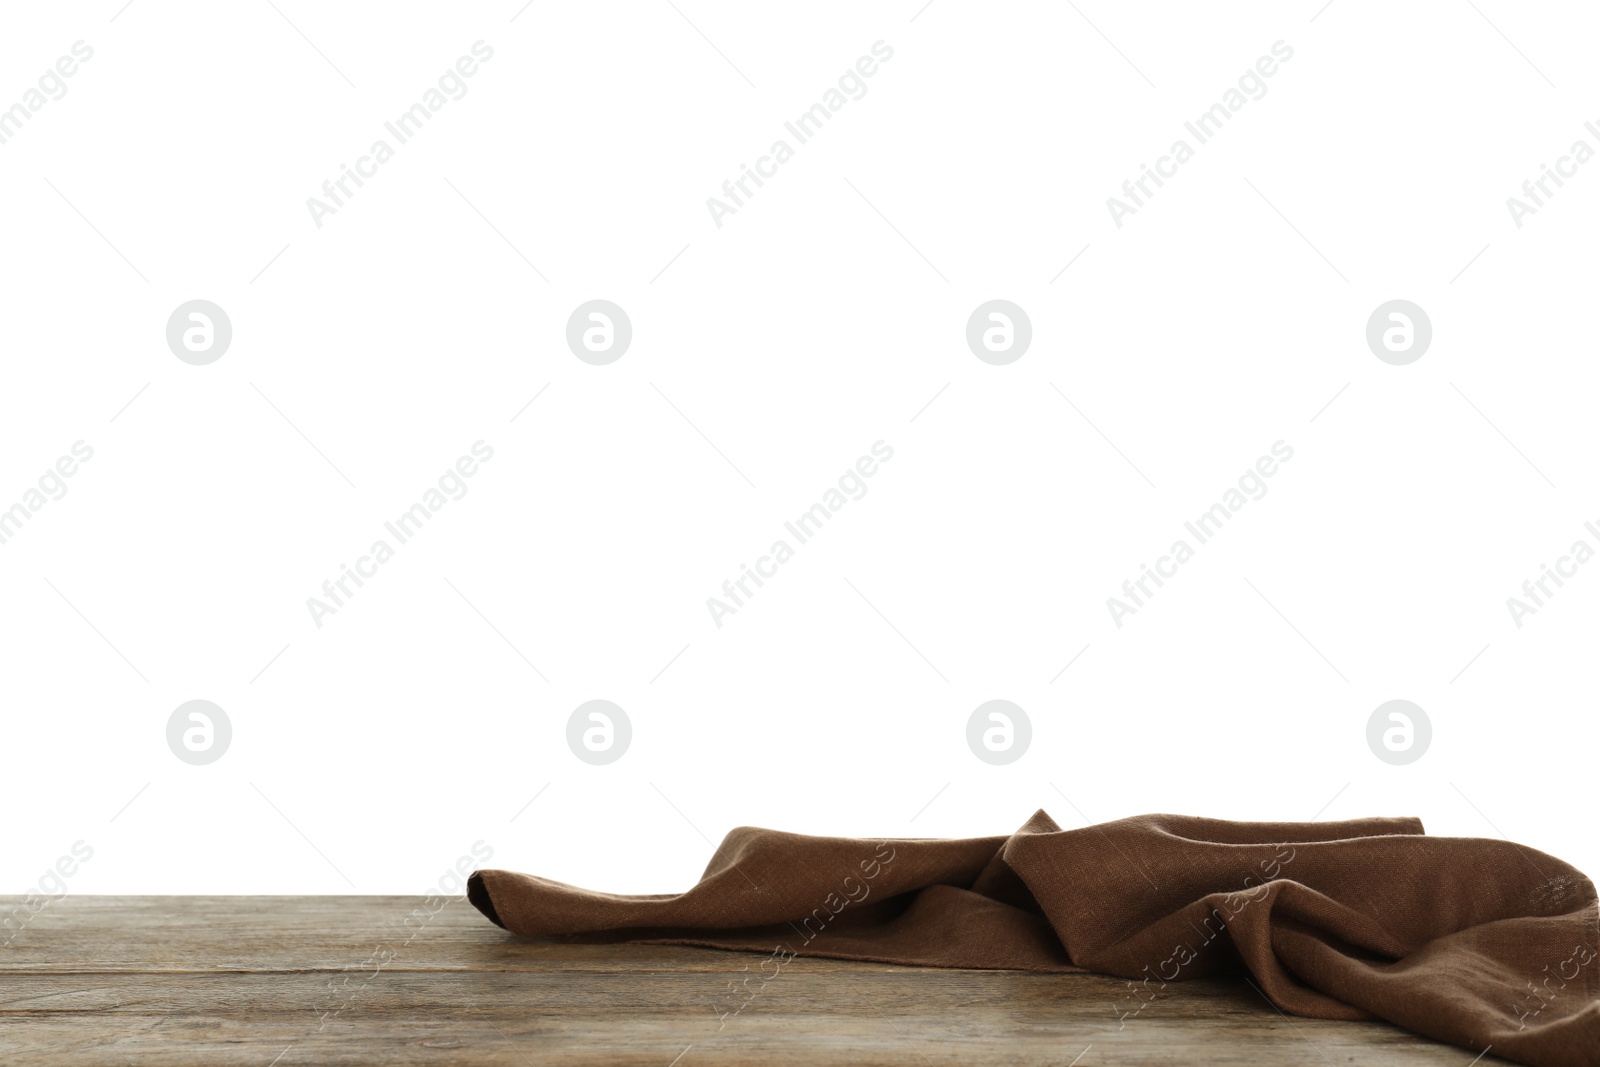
<point x="283" y="981"/>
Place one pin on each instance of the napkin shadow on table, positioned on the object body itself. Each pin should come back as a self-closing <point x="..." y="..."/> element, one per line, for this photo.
<point x="1478" y="942"/>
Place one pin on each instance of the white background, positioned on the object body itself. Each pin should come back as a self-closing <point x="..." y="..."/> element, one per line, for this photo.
<point x="822" y="317"/>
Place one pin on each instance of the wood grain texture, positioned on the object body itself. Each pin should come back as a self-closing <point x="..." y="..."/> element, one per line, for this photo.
<point x="286" y="981"/>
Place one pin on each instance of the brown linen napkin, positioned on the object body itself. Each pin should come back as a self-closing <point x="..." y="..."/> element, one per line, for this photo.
<point x="1473" y="941"/>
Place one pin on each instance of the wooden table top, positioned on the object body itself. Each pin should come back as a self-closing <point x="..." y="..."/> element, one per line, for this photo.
<point x="286" y="981"/>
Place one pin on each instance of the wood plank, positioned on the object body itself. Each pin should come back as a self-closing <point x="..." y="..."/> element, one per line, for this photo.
<point x="252" y="980"/>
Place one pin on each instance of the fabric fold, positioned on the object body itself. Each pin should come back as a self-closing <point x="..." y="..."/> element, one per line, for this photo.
<point x="1481" y="943"/>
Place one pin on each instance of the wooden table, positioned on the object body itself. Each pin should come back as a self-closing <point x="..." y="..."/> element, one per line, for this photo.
<point x="285" y="981"/>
